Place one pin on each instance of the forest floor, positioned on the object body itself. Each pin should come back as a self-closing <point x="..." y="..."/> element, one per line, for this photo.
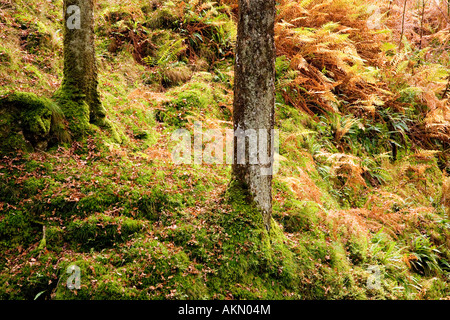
<point x="361" y="197"/>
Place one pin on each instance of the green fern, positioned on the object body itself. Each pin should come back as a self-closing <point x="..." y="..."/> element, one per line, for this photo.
<point x="167" y="54"/>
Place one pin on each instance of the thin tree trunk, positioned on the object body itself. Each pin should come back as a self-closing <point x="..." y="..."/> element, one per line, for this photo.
<point x="403" y="25"/>
<point x="254" y="98"/>
<point x="421" y="23"/>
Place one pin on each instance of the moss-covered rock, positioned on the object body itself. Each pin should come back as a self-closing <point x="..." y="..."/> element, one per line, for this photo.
<point x="16" y="228"/>
<point x="100" y="231"/>
<point x="29" y="122"/>
<point x="175" y="76"/>
<point x="162" y="19"/>
<point x="195" y="99"/>
<point x="146" y="269"/>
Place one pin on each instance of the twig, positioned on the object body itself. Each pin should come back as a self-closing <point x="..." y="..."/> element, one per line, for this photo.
<point x="389" y="8"/>
<point x="421" y="23"/>
<point x="443" y="14"/>
<point x="403" y="24"/>
<point x="447" y="88"/>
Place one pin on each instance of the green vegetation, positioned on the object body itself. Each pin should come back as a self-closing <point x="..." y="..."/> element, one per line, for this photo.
<point x="364" y="158"/>
<point x="30" y="122"/>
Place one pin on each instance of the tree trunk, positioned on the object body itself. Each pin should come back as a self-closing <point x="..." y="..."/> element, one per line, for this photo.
<point x="80" y="68"/>
<point x="254" y="100"/>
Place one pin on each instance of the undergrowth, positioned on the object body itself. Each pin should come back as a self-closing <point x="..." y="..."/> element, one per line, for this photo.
<point x="363" y="182"/>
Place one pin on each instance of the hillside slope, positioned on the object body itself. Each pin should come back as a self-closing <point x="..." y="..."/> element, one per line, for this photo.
<point x="362" y="188"/>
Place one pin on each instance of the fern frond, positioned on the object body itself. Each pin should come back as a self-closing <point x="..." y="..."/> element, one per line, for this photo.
<point x="170" y="51"/>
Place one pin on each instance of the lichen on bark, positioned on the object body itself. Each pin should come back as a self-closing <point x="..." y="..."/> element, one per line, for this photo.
<point x="254" y="97"/>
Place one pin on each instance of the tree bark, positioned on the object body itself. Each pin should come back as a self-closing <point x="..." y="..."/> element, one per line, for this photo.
<point x="80" y="68"/>
<point x="254" y="99"/>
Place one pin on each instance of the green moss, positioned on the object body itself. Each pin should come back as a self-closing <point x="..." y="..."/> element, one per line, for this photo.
<point x="195" y="99"/>
<point x="182" y="240"/>
<point x="156" y="263"/>
<point x="152" y="204"/>
<point x="89" y="270"/>
<point x="142" y="270"/>
<point x="177" y="75"/>
<point x="29" y="122"/>
<point x="37" y="41"/>
<point x="311" y="267"/>
<point x="100" y="231"/>
<point x="16" y="228"/>
<point x="281" y="66"/>
<point x="11" y="135"/>
<point x="35" y="276"/>
<point x="436" y="288"/>
<point x="357" y="249"/>
<point x="162" y="19"/>
<point x="110" y="131"/>
<point x="5" y="56"/>
<point x="301" y="217"/>
<point x="32" y="186"/>
<point x="80" y="115"/>
<point x="99" y="280"/>
<point x="251" y="255"/>
<point x="35" y="111"/>
<point x="54" y="238"/>
<point x="75" y="109"/>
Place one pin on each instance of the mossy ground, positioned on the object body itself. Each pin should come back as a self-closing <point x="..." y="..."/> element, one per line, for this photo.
<point x="140" y="227"/>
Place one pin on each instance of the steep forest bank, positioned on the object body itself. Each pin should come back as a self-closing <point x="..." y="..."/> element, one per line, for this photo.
<point x="360" y="201"/>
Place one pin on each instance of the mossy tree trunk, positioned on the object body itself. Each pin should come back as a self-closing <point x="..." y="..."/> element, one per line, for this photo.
<point x="254" y="99"/>
<point x="80" y="82"/>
